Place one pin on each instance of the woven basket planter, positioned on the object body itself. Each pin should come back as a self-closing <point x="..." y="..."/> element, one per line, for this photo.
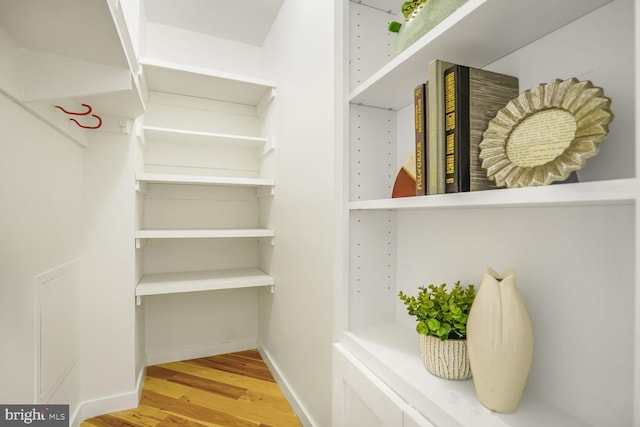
<point x="445" y="359"/>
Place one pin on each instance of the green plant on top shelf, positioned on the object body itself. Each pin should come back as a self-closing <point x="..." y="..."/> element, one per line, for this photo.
<point x="440" y="312"/>
<point x="409" y="9"/>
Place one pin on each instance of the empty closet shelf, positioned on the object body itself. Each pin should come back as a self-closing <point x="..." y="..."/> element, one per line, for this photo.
<point x="208" y="233"/>
<point x="193" y="281"/>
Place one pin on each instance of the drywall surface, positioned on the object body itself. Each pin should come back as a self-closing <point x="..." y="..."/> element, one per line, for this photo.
<point x="199" y="50"/>
<point x="296" y="321"/>
<point x="41" y="175"/>
<point x="109" y="280"/>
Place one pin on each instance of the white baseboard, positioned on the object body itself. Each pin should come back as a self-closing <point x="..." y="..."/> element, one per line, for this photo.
<point x="74" y="419"/>
<point x="94" y="408"/>
<point x="105" y="405"/>
<point x="289" y="393"/>
<point x="182" y="353"/>
<point x="140" y="382"/>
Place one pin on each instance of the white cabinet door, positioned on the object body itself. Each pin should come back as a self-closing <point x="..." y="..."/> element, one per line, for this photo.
<point x="361" y="398"/>
<point x="413" y="418"/>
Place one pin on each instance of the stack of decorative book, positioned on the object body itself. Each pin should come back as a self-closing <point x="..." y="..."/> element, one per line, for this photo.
<point x="452" y="111"/>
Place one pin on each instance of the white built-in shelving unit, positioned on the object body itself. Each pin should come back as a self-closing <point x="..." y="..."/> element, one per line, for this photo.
<point x="55" y="56"/>
<point x="201" y="178"/>
<point x="574" y="245"/>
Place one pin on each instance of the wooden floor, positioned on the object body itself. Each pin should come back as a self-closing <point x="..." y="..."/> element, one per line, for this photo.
<point x="233" y="389"/>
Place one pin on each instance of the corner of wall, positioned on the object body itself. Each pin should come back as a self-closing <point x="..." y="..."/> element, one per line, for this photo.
<point x="96" y="407"/>
<point x="298" y="407"/>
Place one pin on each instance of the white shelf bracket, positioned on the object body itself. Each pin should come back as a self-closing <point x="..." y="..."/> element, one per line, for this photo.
<point x="138" y="130"/>
<point x="272" y="241"/>
<point x="138" y="300"/>
<point x="115" y="124"/>
<point x="141" y="187"/>
<point x="265" y="101"/>
<point x="125" y="126"/>
<point x="140" y="243"/>
<point x="270" y="145"/>
<point x="272" y="289"/>
<point x="266" y="192"/>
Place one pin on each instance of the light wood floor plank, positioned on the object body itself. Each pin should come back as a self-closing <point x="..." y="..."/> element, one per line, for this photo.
<point x="192" y="412"/>
<point x="269" y="412"/>
<point x="229" y="366"/>
<point x="139" y="417"/>
<point x="249" y="383"/>
<point x="167" y="388"/>
<point x="193" y="381"/>
<point x="105" y="421"/>
<point x="231" y="390"/>
<point x="173" y="421"/>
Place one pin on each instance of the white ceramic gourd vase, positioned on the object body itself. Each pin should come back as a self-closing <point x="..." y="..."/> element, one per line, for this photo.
<point x="499" y="342"/>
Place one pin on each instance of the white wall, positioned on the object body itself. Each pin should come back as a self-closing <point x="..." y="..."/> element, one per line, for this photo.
<point x="66" y="275"/>
<point x="109" y="355"/>
<point x="199" y="50"/>
<point x="296" y="321"/>
<point x="67" y="251"/>
<point x="41" y="174"/>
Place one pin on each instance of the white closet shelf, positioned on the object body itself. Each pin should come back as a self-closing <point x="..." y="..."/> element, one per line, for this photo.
<point x="491" y="23"/>
<point x="619" y="191"/>
<point x="182" y="79"/>
<point x="395" y="353"/>
<point x="61" y="28"/>
<point x="64" y="59"/>
<point x="126" y="103"/>
<point x="203" y="180"/>
<point x="186" y="136"/>
<point x="205" y="234"/>
<point x="171" y="283"/>
<point x="239" y="233"/>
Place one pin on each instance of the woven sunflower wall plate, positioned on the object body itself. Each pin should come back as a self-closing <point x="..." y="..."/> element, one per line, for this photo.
<point x="545" y="133"/>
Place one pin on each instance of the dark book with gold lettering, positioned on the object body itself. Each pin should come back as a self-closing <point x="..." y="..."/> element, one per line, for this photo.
<point x="435" y="128"/>
<point x="472" y="99"/>
<point x="420" y="119"/>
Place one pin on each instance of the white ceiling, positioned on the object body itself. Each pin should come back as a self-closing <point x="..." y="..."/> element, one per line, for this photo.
<point x="246" y="21"/>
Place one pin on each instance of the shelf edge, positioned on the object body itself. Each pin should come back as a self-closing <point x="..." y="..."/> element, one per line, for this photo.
<point x="619" y="191"/>
<point x="203" y="180"/>
<point x="172" y="283"/>
<point x="204" y="134"/>
<point x="202" y="233"/>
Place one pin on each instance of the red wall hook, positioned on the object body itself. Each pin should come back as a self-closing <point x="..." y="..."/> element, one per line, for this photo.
<point x="89" y="127"/>
<point x="87" y="106"/>
<point x="89" y="110"/>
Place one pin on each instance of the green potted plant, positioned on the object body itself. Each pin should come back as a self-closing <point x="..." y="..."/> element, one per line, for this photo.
<point x="442" y="326"/>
